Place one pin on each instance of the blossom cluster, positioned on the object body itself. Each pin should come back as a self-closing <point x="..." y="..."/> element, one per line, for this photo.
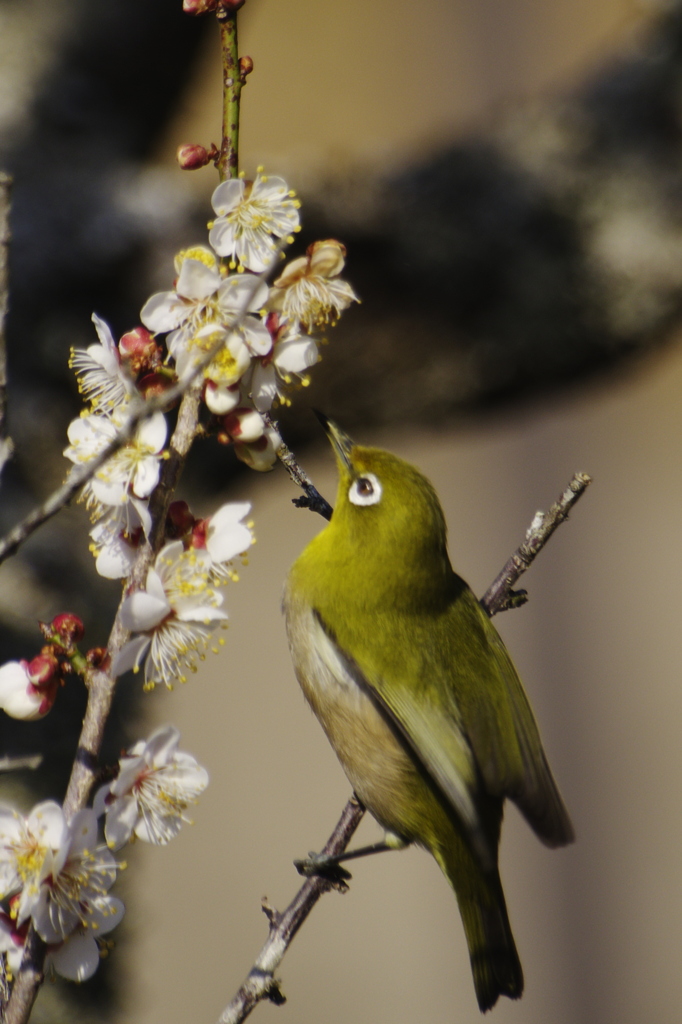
<point x="264" y="336"/>
<point x="181" y="604"/>
<point x="259" y="340"/>
<point x="56" y="876"/>
<point x="251" y="342"/>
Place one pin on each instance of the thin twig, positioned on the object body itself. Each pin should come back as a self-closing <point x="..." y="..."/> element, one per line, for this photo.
<point x="228" y="161"/>
<point x="499" y="596"/>
<point x="312" y="498"/>
<point x="5" y="190"/>
<point x="261" y="982"/>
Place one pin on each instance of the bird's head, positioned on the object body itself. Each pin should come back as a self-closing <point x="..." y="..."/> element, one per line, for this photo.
<point x="387" y="512"/>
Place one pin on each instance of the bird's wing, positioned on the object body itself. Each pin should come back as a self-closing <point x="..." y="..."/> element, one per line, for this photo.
<point x="455" y="698"/>
<point x="500" y="726"/>
<point x="435" y="740"/>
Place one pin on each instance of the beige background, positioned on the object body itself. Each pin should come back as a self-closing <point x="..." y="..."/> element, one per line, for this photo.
<point x="597" y="925"/>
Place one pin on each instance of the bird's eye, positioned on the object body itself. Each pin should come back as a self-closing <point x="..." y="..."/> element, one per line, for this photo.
<point x="366" y="490"/>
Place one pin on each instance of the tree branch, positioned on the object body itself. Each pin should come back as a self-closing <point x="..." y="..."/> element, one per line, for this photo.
<point x="499" y="596"/>
<point x="5" y="190"/>
<point x="261" y="982"/>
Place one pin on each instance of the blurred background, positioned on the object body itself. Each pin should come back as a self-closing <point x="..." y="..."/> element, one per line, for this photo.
<point x="507" y="176"/>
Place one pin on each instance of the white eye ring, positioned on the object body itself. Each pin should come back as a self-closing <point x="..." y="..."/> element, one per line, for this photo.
<point x="365" y="490"/>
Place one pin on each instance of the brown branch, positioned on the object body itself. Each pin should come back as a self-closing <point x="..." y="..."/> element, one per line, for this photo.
<point x="312" y="498"/>
<point x="5" y="190"/>
<point x="261" y="982"/>
<point x="228" y="160"/>
<point x="499" y="596"/>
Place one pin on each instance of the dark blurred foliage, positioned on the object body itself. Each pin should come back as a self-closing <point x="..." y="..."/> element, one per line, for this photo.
<point x="489" y="276"/>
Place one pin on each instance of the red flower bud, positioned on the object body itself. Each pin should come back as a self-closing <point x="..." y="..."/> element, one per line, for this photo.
<point x="154" y="384"/>
<point x="179" y="521"/>
<point x="139" y="350"/>
<point x="199" y="6"/>
<point x="69" y="628"/>
<point x="42" y="670"/>
<point x="191" y="156"/>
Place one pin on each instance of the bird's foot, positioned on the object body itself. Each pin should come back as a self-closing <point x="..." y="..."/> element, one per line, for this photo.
<point x="324" y="866"/>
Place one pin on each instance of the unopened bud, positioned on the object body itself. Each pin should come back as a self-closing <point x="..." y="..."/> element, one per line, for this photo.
<point x="41" y="671"/>
<point x="69" y="628"/>
<point x="245" y="68"/>
<point x="179" y="520"/>
<point x="199" y="6"/>
<point x="227" y="7"/>
<point x="192" y="156"/>
<point x="139" y="350"/>
<point x="245" y="425"/>
<point x="154" y="384"/>
<point x="97" y="657"/>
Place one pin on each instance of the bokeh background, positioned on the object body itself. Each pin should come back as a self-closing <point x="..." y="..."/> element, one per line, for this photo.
<point x="507" y="175"/>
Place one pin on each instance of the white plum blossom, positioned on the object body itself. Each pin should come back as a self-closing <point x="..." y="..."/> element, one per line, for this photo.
<point x="78" y="956"/>
<point x="132" y="473"/>
<point x="309" y="291"/>
<point x="116" y="537"/>
<point x="292" y="354"/>
<point x="58" y="879"/>
<point x="250" y="213"/>
<point x="204" y="297"/>
<point x="225" y="536"/>
<point x="81" y="873"/>
<point x="155" y="786"/>
<point x="229" y="364"/>
<point x="102" y="380"/>
<point x="175" y="614"/>
<point x="27" y="849"/>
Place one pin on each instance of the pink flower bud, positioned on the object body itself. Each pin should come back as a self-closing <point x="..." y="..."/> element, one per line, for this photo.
<point x="139" y="350"/>
<point x="42" y="670"/>
<point x="69" y="628"/>
<point x="153" y="384"/>
<point x="199" y="6"/>
<point x="191" y="156"/>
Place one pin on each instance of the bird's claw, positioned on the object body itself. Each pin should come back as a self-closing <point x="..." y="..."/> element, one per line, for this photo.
<point x="324" y="866"/>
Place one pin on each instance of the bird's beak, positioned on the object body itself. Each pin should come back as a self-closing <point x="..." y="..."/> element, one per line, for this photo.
<point x="340" y="441"/>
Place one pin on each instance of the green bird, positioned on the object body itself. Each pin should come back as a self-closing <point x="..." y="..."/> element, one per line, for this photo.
<point x="417" y="693"/>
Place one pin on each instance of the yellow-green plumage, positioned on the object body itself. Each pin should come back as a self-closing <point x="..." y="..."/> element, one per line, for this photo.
<point x="417" y="694"/>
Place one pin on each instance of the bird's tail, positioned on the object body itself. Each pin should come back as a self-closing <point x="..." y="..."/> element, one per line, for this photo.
<point x="495" y="963"/>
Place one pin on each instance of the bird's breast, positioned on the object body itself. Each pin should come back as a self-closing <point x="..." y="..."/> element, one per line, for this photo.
<point x="375" y="761"/>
